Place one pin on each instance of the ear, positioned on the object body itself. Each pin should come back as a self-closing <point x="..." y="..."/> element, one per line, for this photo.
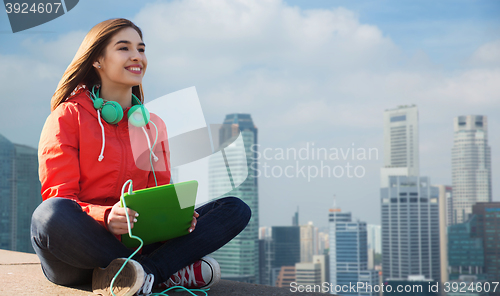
<point x="96" y="64"/>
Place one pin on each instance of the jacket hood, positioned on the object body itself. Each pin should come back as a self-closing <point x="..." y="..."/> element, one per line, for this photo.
<point x="82" y="98"/>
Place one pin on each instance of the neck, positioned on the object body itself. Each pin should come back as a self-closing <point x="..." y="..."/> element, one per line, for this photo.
<point x="121" y="95"/>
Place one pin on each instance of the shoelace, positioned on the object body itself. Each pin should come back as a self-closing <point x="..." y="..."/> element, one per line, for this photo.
<point x="181" y="276"/>
<point x="147" y="287"/>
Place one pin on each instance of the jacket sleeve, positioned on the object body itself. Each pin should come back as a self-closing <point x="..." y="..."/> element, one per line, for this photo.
<point x="59" y="162"/>
<point x="162" y="167"/>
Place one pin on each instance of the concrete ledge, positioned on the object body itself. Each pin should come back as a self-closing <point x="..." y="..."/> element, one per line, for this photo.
<point x="21" y="274"/>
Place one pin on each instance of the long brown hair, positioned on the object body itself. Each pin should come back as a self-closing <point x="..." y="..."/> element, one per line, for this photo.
<point x="81" y="71"/>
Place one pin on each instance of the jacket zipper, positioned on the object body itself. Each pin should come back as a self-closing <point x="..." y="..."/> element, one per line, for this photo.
<point x="122" y="173"/>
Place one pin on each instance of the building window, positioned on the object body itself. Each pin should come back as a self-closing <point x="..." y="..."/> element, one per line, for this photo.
<point x="398" y="118"/>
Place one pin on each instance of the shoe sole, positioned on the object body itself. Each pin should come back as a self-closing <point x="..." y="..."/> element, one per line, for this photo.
<point x="214" y="265"/>
<point x="128" y="282"/>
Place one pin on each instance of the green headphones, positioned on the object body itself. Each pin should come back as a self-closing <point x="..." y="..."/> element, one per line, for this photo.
<point x="112" y="112"/>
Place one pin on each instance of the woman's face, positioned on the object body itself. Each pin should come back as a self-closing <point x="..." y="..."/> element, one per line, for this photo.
<point x="124" y="60"/>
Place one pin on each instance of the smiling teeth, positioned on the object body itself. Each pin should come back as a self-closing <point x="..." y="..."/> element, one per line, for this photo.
<point x="135" y="69"/>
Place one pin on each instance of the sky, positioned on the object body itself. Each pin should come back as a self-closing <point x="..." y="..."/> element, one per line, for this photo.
<point x="315" y="74"/>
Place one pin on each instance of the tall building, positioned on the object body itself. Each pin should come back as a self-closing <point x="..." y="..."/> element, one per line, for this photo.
<point x="323" y="261"/>
<point x="471" y="165"/>
<point x="335" y="216"/>
<point x="264" y="260"/>
<point x="308" y="235"/>
<point x="323" y="243"/>
<point x="465" y="250"/>
<point x="374" y="243"/>
<point x="239" y="259"/>
<point x="410" y="206"/>
<point x="349" y="253"/>
<point x="401" y="140"/>
<point x="445" y="193"/>
<point x="488" y="229"/>
<point x="19" y="194"/>
<point x="295" y="218"/>
<point x="285" y="248"/>
<point x="374" y="237"/>
<point x="410" y="228"/>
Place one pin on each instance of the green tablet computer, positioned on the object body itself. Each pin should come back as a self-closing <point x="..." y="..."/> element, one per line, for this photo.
<point x="165" y="212"/>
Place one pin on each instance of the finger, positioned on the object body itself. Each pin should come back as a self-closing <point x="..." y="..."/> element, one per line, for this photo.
<point x="118" y="211"/>
<point x="132" y="212"/>
<point x="196" y="214"/>
<point x="194" y="221"/>
<point x="132" y="218"/>
<point x="123" y="219"/>
<point x="124" y="226"/>
<point x="118" y="230"/>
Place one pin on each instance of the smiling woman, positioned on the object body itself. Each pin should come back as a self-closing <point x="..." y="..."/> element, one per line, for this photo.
<point x="76" y="230"/>
<point x="97" y="46"/>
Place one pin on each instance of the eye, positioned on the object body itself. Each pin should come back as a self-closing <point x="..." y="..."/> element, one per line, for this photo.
<point x="142" y="49"/>
<point x="123" y="48"/>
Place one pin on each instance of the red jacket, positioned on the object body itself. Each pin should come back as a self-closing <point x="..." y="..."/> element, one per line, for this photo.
<point x="71" y="143"/>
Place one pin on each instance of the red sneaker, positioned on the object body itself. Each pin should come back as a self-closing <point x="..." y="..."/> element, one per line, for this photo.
<point x="200" y="275"/>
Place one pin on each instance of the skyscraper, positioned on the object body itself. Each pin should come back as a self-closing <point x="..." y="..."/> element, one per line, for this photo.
<point x="19" y="194"/>
<point x="239" y="259"/>
<point x="349" y="253"/>
<point x="401" y="141"/>
<point x="307" y="242"/>
<point x="445" y="195"/>
<point x="488" y="229"/>
<point x="410" y="228"/>
<point x="374" y="238"/>
<point x="471" y="165"/>
<point x="465" y="250"/>
<point x="284" y="250"/>
<point x="335" y="216"/>
<point x="410" y="206"/>
<point x="374" y="243"/>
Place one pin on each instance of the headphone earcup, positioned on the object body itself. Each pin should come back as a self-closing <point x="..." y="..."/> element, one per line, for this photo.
<point x="138" y="116"/>
<point x="112" y="112"/>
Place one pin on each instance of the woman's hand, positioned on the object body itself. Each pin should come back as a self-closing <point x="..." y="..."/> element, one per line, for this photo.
<point x="117" y="221"/>
<point x="194" y="221"/>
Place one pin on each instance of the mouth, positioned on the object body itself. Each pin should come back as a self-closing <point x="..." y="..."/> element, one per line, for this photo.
<point x="134" y="69"/>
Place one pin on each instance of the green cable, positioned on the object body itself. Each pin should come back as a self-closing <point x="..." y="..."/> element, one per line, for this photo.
<point x="129" y="233"/>
<point x="163" y="293"/>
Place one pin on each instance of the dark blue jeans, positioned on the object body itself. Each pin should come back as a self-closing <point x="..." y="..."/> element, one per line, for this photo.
<point x="70" y="243"/>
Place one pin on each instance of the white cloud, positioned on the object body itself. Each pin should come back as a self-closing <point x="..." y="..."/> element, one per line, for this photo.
<point x="59" y="52"/>
<point x="487" y="55"/>
<point x="208" y="40"/>
<point x="28" y="81"/>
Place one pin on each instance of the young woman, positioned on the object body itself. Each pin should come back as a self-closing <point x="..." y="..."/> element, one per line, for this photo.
<point x="85" y="156"/>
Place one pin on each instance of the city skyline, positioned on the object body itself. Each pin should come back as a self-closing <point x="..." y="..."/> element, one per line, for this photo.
<point x="317" y="72"/>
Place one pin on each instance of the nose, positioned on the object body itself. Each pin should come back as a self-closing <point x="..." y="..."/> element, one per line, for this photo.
<point x="136" y="56"/>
